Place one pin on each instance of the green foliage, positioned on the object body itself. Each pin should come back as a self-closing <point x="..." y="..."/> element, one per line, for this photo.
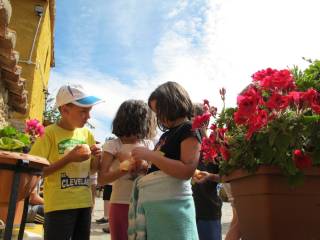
<point x="13" y="140"/>
<point x="310" y="77"/>
<point x="226" y="118"/>
<point x="50" y="114"/>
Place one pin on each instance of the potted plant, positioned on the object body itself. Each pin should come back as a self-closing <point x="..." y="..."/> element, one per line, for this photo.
<point x="268" y="149"/>
<point x="50" y="113"/>
<point x="14" y="160"/>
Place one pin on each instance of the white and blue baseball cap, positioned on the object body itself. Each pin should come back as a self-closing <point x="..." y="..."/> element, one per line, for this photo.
<point x="77" y="95"/>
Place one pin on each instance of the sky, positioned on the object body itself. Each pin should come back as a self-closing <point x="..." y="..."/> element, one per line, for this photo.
<point x="124" y="49"/>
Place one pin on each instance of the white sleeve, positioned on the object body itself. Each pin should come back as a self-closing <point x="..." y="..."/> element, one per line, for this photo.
<point x="111" y="146"/>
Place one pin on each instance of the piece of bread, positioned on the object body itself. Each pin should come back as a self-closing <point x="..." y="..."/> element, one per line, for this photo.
<point x="197" y="174"/>
<point x="85" y="149"/>
<point x="125" y="165"/>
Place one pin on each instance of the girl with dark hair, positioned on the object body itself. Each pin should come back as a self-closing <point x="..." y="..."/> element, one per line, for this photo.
<point x="132" y="125"/>
<point x="162" y="206"/>
<point x="207" y="202"/>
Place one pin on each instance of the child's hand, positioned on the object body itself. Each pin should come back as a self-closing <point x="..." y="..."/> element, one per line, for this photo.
<point x="96" y="151"/>
<point x="141" y="166"/>
<point x="138" y="165"/>
<point x="79" y="153"/>
<point x="200" y="176"/>
<point x="141" y="153"/>
<point x="203" y="176"/>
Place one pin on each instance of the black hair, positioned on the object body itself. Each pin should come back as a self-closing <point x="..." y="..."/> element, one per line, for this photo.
<point x="133" y="118"/>
<point x="172" y="102"/>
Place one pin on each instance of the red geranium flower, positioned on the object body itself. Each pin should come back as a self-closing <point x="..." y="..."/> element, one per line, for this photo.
<point x="301" y="160"/>
<point x="278" y="102"/>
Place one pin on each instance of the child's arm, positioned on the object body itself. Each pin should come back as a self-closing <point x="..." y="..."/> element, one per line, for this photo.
<point x="105" y="175"/>
<point x="203" y="176"/>
<point x="183" y="169"/>
<point x="95" y="159"/>
<point x="77" y="154"/>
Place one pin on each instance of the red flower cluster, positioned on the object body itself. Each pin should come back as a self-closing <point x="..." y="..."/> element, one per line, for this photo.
<point x="272" y="91"/>
<point x="272" y="79"/>
<point x="214" y="147"/>
<point x="310" y="98"/>
<point x="271" y="94"/>
<point x="34" y="128"/>
<point x="201" y="120"/>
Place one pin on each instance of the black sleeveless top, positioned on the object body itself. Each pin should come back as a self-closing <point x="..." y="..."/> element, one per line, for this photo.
<point x="170" y="142"/>
<point x="206" y="200"/>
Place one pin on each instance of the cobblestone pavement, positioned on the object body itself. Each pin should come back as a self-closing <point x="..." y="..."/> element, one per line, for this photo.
<point x="98" y="234"/>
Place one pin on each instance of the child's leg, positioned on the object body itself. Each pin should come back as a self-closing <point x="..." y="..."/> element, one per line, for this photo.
<point x="118" y="221"/>
<point x="59" y="224"/>
<point x="83" y="224"/>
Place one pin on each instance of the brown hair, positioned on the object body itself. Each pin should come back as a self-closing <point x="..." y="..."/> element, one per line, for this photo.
<point x="172" y="102"/>
<point x="133" y="118"/>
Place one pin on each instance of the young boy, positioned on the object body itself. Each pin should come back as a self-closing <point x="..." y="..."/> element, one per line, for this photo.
<point x="73" y="155"/>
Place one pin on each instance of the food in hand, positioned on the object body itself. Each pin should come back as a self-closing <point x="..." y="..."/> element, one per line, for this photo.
<point x="125" y="165"/>
<point x="197" y="174"/>
<point x="85" y="149"/>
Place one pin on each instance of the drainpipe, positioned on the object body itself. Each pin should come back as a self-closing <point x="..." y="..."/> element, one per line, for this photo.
<point x="39" y="11"/>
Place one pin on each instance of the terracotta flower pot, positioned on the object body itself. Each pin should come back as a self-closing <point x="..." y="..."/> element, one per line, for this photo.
<point x="27" y="182"/>
<point x="270" y="209"/>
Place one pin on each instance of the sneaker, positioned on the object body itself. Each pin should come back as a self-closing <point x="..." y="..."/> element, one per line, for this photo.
<point x="106" y="230"/>
<point x="101" y="220"/>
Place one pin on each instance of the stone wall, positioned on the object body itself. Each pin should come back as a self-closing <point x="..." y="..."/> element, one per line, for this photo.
<point x="3" y="106"/>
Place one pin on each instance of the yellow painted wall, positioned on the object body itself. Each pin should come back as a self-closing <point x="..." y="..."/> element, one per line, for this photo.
<point x="24" y="21"/>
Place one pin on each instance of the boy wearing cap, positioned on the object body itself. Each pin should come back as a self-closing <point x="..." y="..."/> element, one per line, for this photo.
<point x="68" y="146"/>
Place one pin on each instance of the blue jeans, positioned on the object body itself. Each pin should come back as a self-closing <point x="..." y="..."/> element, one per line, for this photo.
<point x="209" y="229"/>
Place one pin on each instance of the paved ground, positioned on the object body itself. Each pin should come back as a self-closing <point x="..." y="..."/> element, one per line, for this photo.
<point x="98" y="234"/>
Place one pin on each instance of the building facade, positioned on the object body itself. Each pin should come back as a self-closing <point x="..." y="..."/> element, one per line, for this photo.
<point x="32" y="53"/>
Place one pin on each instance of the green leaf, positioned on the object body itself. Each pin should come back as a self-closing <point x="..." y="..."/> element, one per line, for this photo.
<point x="23" y="138"/>
<point x="8" y="131"/>
<point x="282" y="142"/>
<point x="10" y="144"/>
<point x="267" y="154"/>
<point x="311" y="119"/>
<point x="316" y="157"/>
<point x="272" y="137"/>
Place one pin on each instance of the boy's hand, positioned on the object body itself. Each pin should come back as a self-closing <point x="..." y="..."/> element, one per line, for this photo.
<point x="79" y="153"/>
<point x="96" y="151"/>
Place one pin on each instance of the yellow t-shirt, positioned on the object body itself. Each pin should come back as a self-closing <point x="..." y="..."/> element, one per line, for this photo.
<point x="69" y="187"/>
